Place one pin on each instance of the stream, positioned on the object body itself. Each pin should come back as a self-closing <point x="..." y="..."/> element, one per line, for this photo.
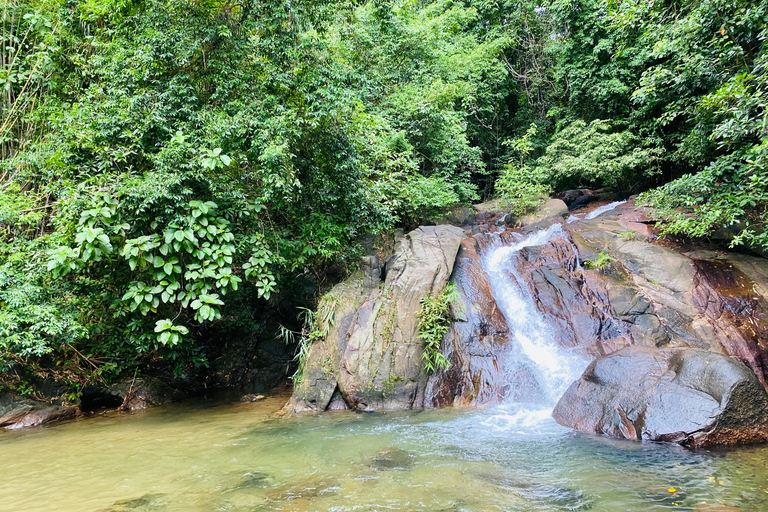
<point x="231" y="456"/>
<point x="224" y="455"/>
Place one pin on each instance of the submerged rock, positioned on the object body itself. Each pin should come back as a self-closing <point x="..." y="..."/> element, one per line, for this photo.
<point x="254" y="480"/>
<point x="682" y="395"/>
<point x="556" y="497"/>
<point x="393" y="459"/>
<point x="154" y="502"/>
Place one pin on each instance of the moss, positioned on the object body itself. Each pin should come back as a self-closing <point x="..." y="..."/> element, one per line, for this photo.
<point x="388" y="386"/>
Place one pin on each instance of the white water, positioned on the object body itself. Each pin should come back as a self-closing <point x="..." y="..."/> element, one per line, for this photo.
<point x="540" y="368"/>
<point x="599" y="211"/>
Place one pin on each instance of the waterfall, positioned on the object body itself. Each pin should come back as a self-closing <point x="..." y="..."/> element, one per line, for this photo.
<point x="539" y="369"/>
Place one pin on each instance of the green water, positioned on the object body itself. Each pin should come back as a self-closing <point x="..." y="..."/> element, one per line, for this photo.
<point x="223" y="456"/>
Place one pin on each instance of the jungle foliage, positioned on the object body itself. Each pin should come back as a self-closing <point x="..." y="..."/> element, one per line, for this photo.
<point x="172" y="168"/>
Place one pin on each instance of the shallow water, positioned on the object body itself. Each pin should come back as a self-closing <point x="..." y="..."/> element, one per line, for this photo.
<point x="234" y="457"/>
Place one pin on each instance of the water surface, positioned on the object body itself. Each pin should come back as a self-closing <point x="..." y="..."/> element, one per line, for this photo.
<point x="205" y="456"/>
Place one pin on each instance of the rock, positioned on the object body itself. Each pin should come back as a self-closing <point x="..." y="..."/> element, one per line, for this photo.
<point x="682" y="395"/>
<point x="392" y="459"/>
<point x="254" y="480"/>
<point x="141" y="393"/>
<point x="706" y="299"/>
<point x="17" y="412"/>
<point x="147" y="502"/>
<point x="550" y="210"/>
<point x="577" y="198"/>
<point x="372" y="352"/>
<point x="556" y="497"/>
<point x="337" y="403"/>
<point x="320" y="378"/>
<point x="487" y="215"/>
<point x="651" y="295"/>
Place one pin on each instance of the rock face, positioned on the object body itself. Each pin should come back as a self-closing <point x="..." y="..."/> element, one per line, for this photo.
<point x="16" y="412"/>
<point x="683" y="395"/>
<point x="678" y="335"/>
<point x="371" y="354"/>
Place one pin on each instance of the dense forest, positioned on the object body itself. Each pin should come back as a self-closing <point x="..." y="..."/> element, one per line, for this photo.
<point x="175" y="172"/>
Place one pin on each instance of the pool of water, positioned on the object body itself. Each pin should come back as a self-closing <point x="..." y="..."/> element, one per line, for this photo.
<point x="231" y="456"/>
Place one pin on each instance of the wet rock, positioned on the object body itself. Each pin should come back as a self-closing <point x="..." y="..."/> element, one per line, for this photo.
<point x="594" y="312"/>
<point x="671" y="295"/>
<point x="638" y="221"/>
<point x="736" y="313"/>
<point x="577" y="198"/>
<point x="652" y="294"/>
<point x="682" y="395"/>
<point x="476" y="344"/>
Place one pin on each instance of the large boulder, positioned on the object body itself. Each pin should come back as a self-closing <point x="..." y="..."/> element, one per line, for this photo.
<point x="683" y="395"/>
<point x="371" y="354"/>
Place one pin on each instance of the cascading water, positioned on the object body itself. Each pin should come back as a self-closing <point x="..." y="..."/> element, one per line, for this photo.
<point x="539" y="369"/>
<point x="601" y="210"/>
